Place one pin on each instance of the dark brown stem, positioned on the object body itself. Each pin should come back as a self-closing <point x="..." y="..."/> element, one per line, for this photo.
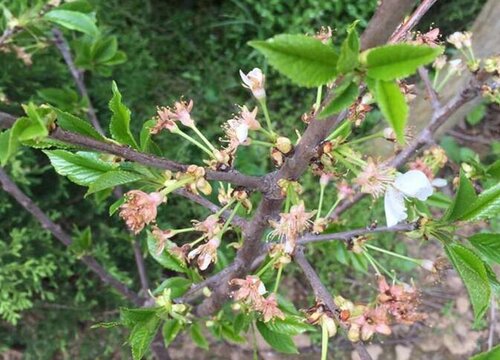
<point x="388" y="16"/>
<point x="141" y="267"/>
<point x="233" y="177"/>
<point x="11" y="188"/>
<point x="323" y="295"/>
<point x="431" y="93"/>
<point x="403" y="30"/>
<point x="347" y="235"/>
<point x="62" y="46"/>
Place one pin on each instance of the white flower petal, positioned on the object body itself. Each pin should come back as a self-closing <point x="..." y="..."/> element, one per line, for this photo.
<point x="242" y="132"/>
<point x="438" y="182"/>
<point x="394" y="204"/>
<point x="245" y="79"/>
<point x="415" y="184"/>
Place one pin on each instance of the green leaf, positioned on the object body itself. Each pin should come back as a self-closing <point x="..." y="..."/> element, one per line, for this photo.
<point x="488" y="245"/>
<point x="82" y="242"/>
<point x="116" y="205"/>
<point x="349" y="51"/>
<point x="475" y="116"/>
<point x="304" y="59"/>
<point x="392" y="104"/>
<point x="120" y="121"/>
<point x="343" y="97"/>
<point x="391" y="62"/>
<point x="104" y="49"/>
<point x="473" y="273"/>
<point x="171" y="328"/>
<point x="198" y="337"/>
<point x="130" y="317"/>
<point x="486" y="205"/>
<point x="73" y="20"/>
<point x="74" y="124"/>
<point x="229" y="334"/>
<point x="466" y="195"/>
<point x="241" y="322"/>
<point x="83" y="168"/>
<point x="177" y="285"/>
<point x="119" y="58"/>
<point x="165" y="259"/>
<point x="142" y="335"/>
<point x="35" y="127"/>
<point x="492" y="278"/>
<point x="291" y="325"/>
<point x="147" y="144"/>
<point x="63" y="98"/>
<point x="493" y="354"/>
<point x="494" y="170"/>
<point x="111" y="179"/>
<point x="280" y="342"/>
<point x="77" y="5"/>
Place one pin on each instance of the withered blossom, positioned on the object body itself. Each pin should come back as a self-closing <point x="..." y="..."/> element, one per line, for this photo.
<point x="291" y="225"/>
<point x="324" y="34"/>
<point x="250" y="289"/>
<point x="371" y="322"/>
<point x="211" y="226"/>
<point x="401" y="301"/>
<point x="140" y="209"/>
<point x="269" y="309"/>
<point x="161" y="237"/>
<point x="205" y="253"/>
<point x="166" y="117"/>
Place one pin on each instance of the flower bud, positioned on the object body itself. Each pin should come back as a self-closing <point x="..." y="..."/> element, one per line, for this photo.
<point x="428" y="265"/>
<point x="331" y="327"/>
<point x="277" y="157"/>
<point x="353" y="333"/>
<point x="284" y="145"/>
<point x="206" y="292"/>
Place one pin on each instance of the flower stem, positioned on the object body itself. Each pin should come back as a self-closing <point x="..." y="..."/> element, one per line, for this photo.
<point x="197" y="241"/>
<point x="416" y="261"/>
<point x="333" y="208"/>
<point x="365" y="138"/>
<point x="263" y="104"/>
<point x="321" y="196"/>
<point x="203" y="138"/>
<point x="263" y="143"/>
<point x="436" y="76"/>
<point x="266" y="267"/>
<point x="324" y="340"/>
<point x="444" y="81"/>
<point x="370" y="260"/>
<point x="180" y="231"/>
<point x="278" y="278"/>
<point x="318" y="98"/>
<point x="338" y="130"/>
<point x="229" y="219"/>
<point x="224" y="208"/>
<point x="193" y="141"/>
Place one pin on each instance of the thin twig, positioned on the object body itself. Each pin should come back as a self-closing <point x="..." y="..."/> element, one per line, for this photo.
<point x="11" y="188"/>
<point x="431" y="93"/>
<point x="493" y="323"/>
<point x="403" y="30"/>
<point x="62" y="46"/>
<point x="347" y="235"/>
<point x="323" y="295"/>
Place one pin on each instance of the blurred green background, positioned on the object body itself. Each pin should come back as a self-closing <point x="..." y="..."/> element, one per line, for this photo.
<point x="48" y="300"/>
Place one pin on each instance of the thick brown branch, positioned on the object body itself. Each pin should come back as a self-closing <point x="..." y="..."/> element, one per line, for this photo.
<point x="322" y="294"/>
<point x="62" y="46"/>
<point x="11" y="188"/>
<point x="347" y="235"/>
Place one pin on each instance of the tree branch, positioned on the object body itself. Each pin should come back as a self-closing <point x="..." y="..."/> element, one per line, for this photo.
<point x="62" y="46"/>
<point x="387" y="17"/>
<point x="323" y="295"/>
<point x="11" y="188"/>
<point x="425" y="138"/>
<point x="431" y="93"/>
<point x="408" y="25"/>
<point x="347" y="235"/>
